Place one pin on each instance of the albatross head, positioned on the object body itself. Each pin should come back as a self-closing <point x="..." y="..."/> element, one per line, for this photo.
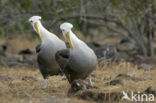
<point x="66" y="28"/>
<point x="35" y="20"/>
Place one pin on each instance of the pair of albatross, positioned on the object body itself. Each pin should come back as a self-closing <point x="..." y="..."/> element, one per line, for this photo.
<point x="76" y="62"/>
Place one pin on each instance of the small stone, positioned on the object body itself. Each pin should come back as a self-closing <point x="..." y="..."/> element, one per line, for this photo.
<point x="115" y="82"/>
<point x="26" y="51"/>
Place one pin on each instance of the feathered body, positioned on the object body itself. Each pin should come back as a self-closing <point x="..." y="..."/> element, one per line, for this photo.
<point x="46" y="56"/>
<point x="47" y="49"/>
<point x="77" y="63"/>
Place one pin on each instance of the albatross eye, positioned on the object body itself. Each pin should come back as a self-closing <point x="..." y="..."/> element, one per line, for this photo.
<point x="31" y="21"/>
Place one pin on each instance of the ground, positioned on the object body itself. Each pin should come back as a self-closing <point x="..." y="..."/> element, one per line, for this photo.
<point x="25" y="85"/>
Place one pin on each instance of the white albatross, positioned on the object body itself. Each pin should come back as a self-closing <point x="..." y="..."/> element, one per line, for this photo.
<point x="46" y="51"/>
<point x="78" y="61"/>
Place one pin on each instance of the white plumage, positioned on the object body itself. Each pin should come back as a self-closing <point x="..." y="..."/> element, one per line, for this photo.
<point x="50" y="44"/>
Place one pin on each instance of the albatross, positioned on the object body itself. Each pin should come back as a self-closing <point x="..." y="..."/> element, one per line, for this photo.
<point x="47" y="49"/>
<point x="78" y="61"/>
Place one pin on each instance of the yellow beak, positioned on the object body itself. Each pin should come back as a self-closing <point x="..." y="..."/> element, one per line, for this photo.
<point x="69" y="40"/>
<point x="37" y="29"/>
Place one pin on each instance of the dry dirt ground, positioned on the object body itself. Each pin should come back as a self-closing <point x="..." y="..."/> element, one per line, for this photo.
<point x="24" y="85"/>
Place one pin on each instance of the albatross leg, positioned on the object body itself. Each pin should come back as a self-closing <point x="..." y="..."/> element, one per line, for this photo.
<point x="90" y="82"/>
<point x="63" y="77"/>
<point x="45" y="83"/>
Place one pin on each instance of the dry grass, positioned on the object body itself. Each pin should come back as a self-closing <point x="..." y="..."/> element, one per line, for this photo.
<point x="17" y="90"/>
<point x="24" y="91"/>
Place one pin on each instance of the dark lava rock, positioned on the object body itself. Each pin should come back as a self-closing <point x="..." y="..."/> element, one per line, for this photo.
<point x="94" y="45"/>
<point x="150" y="90"/>
<point x="114" y="82"/>
<point x="78" y="85"/>
<point x="25" y="51"/>
<point x="106" y="51"/>
<point x="3" y="48"/>
<point x="145" y="67"/>
<point x="3" y="60"/>
<point x="126" y="45"/>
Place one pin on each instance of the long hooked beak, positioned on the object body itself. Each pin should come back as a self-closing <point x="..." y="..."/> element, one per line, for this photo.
<point x="37" y="29"/>
<point x="69" y="40"/>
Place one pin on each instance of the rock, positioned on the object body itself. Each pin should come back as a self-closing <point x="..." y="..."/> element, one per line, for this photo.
<point x="94" y="45"/>
<point x="2" y="51"/>
<point x="124" y="56"/>
<point x="3" y="60"/>
<point x="106" y="51"/>
<point x="3" y="48"/>
<point x="78" y="85"/>
<point x="13" y="64"/>
<point x="54" y="100"/>
<point x="127" y="49"/>
<point x="30" y="61"/>
<point x="150" y="90"/>
<point x="25" y="51"/>
<point x="126" y="45"/>
<point x="29" y="78"/>
<point x="145" y="67"/>
<point x="114" y="82"/>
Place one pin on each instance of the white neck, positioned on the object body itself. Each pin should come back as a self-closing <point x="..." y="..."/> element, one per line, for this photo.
<point x="45" y="34"/>
<point x="76" y="41"/>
